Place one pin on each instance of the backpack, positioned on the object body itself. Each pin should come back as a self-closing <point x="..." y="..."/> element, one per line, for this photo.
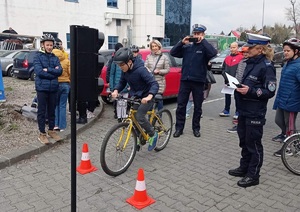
<point x="29" y="112"/>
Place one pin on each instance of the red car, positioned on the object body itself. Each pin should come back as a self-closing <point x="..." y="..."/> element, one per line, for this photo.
<point x="172" y="78"/>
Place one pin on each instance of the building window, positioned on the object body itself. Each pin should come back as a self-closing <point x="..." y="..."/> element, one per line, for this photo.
<point x="112" y="41"/>
<point x="68" y="40"/>
<point x="118" y="22"/>
<point x="158" y="7"/>
<point x="75" y="1"/>
<point x="112" y="3"/>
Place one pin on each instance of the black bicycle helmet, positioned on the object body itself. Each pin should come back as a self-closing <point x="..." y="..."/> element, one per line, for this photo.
<point x="123" y="55"/>
<point x="293" y="42"/>
<point x="47" y="37"/>
<point x="134" y="48"/>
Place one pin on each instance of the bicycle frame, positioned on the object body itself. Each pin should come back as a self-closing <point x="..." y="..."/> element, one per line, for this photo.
<point x="133" y="122"/>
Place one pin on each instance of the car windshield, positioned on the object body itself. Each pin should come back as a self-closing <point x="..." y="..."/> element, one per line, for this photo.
<point x="5" y="53"/>
<point x="224" y="53"/>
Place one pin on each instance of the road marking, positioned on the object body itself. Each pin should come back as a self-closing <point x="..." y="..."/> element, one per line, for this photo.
<point x="209" y="101"/>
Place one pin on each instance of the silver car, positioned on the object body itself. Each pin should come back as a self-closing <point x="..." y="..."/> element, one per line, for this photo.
<point x="6" y="60"/>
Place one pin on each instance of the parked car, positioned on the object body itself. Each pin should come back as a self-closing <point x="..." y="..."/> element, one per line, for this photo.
<point x="217" y="62"/>
<point x="279" y="58"/>
<point x="23" y="64"/>
<point x="6" y="60"/>
<point x="172" y="78"/>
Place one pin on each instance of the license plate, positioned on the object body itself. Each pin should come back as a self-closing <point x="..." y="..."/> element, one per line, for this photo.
<point x="215" y="66"/>
<point x="16" y="71"/>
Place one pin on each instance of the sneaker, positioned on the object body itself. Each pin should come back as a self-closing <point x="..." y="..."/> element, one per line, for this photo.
<point x="232" y="130"/>
<point x="224" y="113"/>
<point x="288" y="152"/>
<point x="43" y="138"/>
<point x="236" y="115"/>
<point x="279" y="138"/>
<point x="90" y="114"/>
<point x="56" y="129"/>
<point x="54" y="135"/>
<point x="152" y="142"/>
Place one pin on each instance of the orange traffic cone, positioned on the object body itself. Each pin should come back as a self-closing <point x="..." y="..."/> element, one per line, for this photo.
<point x="85" y="164"/>
<point x="140" y="199"/>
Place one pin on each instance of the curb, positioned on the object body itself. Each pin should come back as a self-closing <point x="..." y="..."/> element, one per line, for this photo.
<point x="34" y="149"/>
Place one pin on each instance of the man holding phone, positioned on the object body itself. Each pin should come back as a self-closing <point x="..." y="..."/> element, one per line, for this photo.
<point x="196" y="53"/>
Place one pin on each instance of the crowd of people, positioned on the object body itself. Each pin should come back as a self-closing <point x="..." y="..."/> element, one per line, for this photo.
<point x="129" y="75"/>
<point x="52" y="84"/>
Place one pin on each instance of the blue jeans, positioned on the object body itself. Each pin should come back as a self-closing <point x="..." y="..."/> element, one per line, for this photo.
<point x="61" y="105"/>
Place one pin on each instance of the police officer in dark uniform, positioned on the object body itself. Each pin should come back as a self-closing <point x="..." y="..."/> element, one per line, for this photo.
<point x="258" y="85"/>
<point x="196" y="53"/>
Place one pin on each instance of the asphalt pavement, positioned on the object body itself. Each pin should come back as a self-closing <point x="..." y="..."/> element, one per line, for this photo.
<point x="189" y="175"/>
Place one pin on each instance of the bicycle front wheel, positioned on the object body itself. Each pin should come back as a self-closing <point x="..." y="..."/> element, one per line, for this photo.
<point x="290" y="155"/>
<point x="118" y="149"/>
<point x="163" y="124"/>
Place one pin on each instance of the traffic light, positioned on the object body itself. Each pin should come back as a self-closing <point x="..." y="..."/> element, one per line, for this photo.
<point x="85" y="45"/>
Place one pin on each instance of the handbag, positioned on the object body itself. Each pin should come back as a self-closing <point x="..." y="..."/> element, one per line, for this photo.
<point x="210" y="77"/>
<point x="156" y="63"/>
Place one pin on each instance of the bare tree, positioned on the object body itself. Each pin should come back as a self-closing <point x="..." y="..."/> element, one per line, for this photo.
<point x="293" y="14"/>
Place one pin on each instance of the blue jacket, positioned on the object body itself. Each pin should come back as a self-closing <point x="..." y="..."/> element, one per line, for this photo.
<point x="195" y="59"/>
<point x="140" y="80"/>
<point x="114" y="77"/>
<point x="288" y="95"/>
<point x="260" y="76"/>
<point x="46" y="81"/>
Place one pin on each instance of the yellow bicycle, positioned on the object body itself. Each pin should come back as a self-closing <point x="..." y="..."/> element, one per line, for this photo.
<point x="121" y="142"/>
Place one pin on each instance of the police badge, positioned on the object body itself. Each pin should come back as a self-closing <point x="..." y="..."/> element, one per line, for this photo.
<point x="272" y="86"/>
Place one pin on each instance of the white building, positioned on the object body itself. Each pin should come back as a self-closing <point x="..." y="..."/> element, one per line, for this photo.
<point x="125" y="21"/>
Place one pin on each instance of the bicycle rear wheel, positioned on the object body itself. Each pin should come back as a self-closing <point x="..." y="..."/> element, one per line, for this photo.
<point x="163" y="125"/>
<point x="114" y="158"/>
<point x="290" y="155"/>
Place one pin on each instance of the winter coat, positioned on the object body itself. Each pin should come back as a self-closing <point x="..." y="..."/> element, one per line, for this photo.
<point x="46" y="81"/>
<point x="231" y="63"/>
<point x="240" y="69"/>
<point x="114" y="77"/>
<point x="65" y="64"/>
<point x="139" y="79"/>
<point x="288" y="95"/>
<point x="195" y="59"/>
<point x="163" y="66"/>
<point x="260" y="77"/>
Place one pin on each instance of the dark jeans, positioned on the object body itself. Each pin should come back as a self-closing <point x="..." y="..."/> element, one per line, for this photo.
<point x="183" y="97"/>
<point x="46" y="104"/>
<point x="141" y="118"/>
<point x="160" y="105"/>
<point x="227" y="102"/>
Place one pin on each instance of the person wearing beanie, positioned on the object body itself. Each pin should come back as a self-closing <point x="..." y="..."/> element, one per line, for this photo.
<point x="159" y="65"/>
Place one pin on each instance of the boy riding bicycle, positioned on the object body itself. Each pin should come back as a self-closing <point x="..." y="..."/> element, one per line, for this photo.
<point x="142" y="85"/>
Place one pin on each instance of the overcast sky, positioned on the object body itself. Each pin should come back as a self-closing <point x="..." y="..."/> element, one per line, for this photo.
<point x="227" y="15"/>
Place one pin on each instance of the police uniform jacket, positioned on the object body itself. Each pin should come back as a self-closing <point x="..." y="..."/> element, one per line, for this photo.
<point x="260" y="76"/>
<point x="195" y="59"/>
<point x="46" y="81"/>
<point x="288" y="95"/>
<point x="139" y="79"/>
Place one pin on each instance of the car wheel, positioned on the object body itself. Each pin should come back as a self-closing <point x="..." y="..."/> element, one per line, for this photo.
<point x="10" y="72"/>
<point x="105" y="99"/>
<point x="32" y="76"/>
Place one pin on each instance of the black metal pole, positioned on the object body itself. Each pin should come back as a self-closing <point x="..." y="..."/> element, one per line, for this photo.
<point x="74" y="52"/>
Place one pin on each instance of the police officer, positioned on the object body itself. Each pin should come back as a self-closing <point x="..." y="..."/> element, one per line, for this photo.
<point x="258" y="85"/>
<point x="196" y="53"/>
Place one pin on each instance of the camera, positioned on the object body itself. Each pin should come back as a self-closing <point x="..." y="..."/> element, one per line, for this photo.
<point x="192" y="39"/>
